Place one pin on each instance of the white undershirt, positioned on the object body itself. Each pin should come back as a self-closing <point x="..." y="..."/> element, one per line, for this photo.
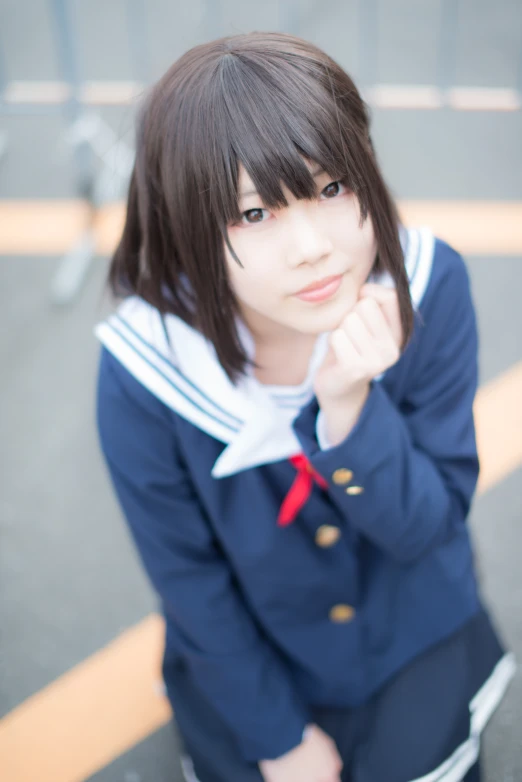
<point x="292" y="399"/>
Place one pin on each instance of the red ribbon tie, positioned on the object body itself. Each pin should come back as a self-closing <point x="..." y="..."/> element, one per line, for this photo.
<point x="300" y="490"/>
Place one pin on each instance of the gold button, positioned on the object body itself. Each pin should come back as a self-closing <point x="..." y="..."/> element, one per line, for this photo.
<point x="342" y="475"/>
<point x="327" y="535"/>
<point x="354" y="490"/>
<point x="342" y="613"/>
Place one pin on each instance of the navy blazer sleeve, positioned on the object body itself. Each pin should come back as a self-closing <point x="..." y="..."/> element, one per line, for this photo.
<point x="236" y="668"/>
<point x="414" y="459"/>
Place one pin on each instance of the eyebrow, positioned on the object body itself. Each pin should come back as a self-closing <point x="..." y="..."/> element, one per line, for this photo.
<point x="315" y="173"/>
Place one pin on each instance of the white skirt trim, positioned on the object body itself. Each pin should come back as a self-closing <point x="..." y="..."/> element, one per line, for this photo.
<point x="187" y="767"/>
<point x="481" y="708"/>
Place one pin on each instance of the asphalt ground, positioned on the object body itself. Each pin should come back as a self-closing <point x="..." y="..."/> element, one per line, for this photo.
<point x="70" y="582"/>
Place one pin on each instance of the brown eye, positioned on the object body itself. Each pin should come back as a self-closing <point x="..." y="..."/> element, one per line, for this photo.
<point x="253" y="216"/>
<point x="331" y="190"/>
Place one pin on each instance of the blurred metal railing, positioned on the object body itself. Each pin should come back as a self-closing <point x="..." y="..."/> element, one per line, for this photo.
<point x="103" y="161"/>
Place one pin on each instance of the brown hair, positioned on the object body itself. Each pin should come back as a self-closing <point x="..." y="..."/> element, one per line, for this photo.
<point x="267" y="101"/>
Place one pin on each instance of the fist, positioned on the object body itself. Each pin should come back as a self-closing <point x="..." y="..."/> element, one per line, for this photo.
<point x="367" y="342"/>
<point x="316" y="759"/>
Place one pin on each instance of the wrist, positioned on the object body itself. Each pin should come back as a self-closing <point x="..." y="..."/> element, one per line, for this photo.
<point x="340" y="414"/>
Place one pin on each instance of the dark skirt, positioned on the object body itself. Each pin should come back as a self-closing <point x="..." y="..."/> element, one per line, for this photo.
<point x="424" y="725"/>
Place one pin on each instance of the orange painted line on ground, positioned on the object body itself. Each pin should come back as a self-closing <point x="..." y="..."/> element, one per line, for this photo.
<point x="40" y="227"/>
<point x="472" y="227"/>
<point x="103" y="707"/>
<point x="428" y="96"/>
<point x="401" y="96"/>
<point x="90" y="715"/>
<point x="52" y="227"/>
<point x="112" y="93"/>
<point x="498" y="421"/>
<point x="484" y="99"/>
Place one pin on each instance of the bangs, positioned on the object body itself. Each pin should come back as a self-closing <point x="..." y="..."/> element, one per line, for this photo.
<point x="270" y="114"/>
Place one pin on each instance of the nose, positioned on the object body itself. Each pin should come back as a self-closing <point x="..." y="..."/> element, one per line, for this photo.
<point x="308" y="243"/>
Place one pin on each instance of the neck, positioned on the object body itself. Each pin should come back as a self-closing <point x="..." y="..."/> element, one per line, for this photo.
<point x="282" y="354"/>
<point x="274" y="337"/>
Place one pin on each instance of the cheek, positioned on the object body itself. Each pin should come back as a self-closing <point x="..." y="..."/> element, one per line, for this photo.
<point x="255" y="279"/>
<point x="365" y="263"/>
<point x="359" y="246"/>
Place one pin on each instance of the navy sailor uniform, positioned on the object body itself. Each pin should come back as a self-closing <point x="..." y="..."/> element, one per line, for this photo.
<point x="267" y="624"/>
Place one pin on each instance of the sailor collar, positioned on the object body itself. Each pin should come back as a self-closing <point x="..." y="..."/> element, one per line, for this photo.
<point x="180" y="367"/>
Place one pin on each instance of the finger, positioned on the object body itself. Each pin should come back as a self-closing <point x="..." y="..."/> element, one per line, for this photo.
<point x="385" y="297"/>
<point x="381" y="293"/>
<point x="374" y="318"/>
<point x="383" y="338"/>
<point x="361" y="337"/>
<point x="336" y="777"/>
<point x="343" y="349"/>
<point x="332" y="775"/>
<point x="389" y="303"/>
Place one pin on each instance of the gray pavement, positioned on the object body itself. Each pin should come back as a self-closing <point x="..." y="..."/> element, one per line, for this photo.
<point x="69" y="578"/>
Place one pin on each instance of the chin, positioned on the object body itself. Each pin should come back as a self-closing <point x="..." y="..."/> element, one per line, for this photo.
<point x="326" y="318"/>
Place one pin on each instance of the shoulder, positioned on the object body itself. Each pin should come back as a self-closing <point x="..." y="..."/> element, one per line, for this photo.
<point x="121" y="399"/>
<point x="446" y="283"/>
<point x="136" y="432"/>
<point x="134" y="346"/>
<point x="435" y="270"/>
<point x="443" y="349"/>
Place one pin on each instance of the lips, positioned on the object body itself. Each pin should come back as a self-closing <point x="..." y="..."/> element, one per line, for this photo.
<point x="316" y="286"/>
<point x="322" y="290"/>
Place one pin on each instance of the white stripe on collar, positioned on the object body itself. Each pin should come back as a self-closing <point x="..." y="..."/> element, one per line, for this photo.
<point x="189" y="379"/>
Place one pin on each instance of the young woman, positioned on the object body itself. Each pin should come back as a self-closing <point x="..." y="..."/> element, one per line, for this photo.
<point x="285" y="406"/>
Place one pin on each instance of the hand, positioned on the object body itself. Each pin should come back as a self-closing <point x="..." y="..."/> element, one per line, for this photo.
<point x="366" y="343"/>
<point x="316" y="759"/>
